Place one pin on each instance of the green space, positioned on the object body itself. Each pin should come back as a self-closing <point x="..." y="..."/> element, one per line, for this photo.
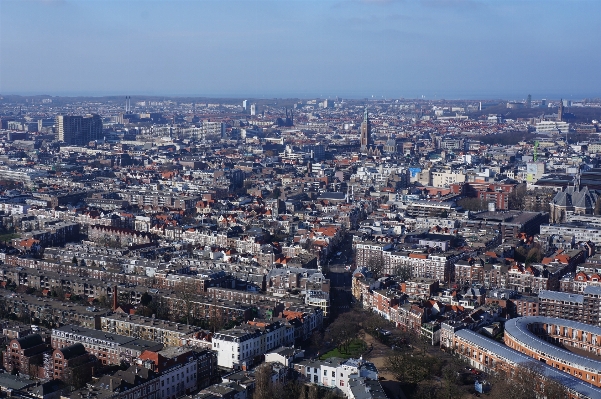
<point x="8" y="237"/>
<point x="355" y="349"/>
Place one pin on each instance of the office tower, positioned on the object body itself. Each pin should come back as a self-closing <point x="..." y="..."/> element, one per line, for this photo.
<point x="78" y="130"/>
<point x="253" y="109"/>
<point x="529" y="101"/>
<point x="245" y="105"/>
<point x="365" y="132"/>
<point x="543" y="103"/>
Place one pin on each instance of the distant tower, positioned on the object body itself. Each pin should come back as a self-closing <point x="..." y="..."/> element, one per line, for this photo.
<point x="365" y="132"/>
<point x="253" y="109"/>
<point x="529" y="101"/>
<point x="245" y="105"/>
<point x="560" y="111"/>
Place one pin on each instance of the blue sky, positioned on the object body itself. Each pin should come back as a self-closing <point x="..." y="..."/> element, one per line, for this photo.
<point x="302" y="48"/>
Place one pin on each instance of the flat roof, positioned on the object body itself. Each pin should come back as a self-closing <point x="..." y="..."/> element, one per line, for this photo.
<point x="560" y="296"/>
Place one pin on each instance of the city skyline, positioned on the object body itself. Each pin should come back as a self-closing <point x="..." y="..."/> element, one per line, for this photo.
<point x="352" y="49"/>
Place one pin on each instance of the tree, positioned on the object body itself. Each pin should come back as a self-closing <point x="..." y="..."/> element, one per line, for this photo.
<point x="276" y="193"/>
<point x="344" y="330"/>
<point x="403" y="272"/>
<point x="534" y="255"/>
<point x="516" y="197"/>
<point x="145" y="299"/>
<point x="521" y="383"/>
<point x="375" y="265"/>
<point x="410" y="367"/>
<point x="263" y="383"/>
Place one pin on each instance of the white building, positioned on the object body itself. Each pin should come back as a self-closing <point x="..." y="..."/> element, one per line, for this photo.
<point x="552" y="127"/>
<point x="335" y="372"/>
<point x="237" y="348"/>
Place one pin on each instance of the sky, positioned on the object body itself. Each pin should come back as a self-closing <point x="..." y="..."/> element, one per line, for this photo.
<point x="302" y="48"/>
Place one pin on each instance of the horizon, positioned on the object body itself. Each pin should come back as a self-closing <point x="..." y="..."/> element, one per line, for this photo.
<point x="299" y="97"/>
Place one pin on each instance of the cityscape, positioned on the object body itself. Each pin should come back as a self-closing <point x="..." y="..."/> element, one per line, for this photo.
<point x="183" y="216"/>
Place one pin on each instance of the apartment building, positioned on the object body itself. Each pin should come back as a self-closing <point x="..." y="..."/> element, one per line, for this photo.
<point x="241" y="347"/>
<point x="107" y="347"/>
<point x="490" y="356"/>
<point x="165" y="332"/>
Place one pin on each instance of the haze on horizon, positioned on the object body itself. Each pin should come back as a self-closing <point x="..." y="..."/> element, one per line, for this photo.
<point x="303" y="48"/>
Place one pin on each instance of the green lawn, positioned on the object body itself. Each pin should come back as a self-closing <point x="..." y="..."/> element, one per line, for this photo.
<point x="356" y="349"/>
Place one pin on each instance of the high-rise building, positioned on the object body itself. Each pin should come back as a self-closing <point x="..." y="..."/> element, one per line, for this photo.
<point x="560" y="111"/>
<point x="253" y="109"/>
<point x="529" y="101"/>
<point x="245" y="104"/>
<point x="365" y="132"/>
<point x="78" y="130"/>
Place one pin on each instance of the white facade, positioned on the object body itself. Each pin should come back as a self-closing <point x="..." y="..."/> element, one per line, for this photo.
<point x="337" y="375"/>
<point x="552" y="127"/>
<point x="179" y="380"/>
<point x="238" y="347"/>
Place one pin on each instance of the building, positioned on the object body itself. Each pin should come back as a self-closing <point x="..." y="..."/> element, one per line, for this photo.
<point x="78" y="130"/>
<point x="366" y="139"/>
<point x="181" y="371"/>
<point x="572" y="200"/>
<point x="552" y="127"/>
<point x="71" y="364"/>
<point x="25" y="355"/>
<point x="539" y="337"/>
<point x="336" y="372"/>
<point x="490" y="356"/>
<point x="242" y="347"/>
<point x="165" y="332"/>
<point x="108" y="348"/>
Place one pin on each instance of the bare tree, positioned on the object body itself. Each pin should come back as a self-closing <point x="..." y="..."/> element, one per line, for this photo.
<point x="403" y="272"/>
<point x="375" y="265"/>
<point x="263" y="383"/>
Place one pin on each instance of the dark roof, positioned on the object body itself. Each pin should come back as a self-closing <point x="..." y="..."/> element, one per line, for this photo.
<point x="29" y="341"/>
<point x="332" y="196"/>
<point x="72" y="351"/>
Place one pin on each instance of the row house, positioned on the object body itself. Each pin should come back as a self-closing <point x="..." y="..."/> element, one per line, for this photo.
<point x="304" y="321"/>
<point x="51" y="312"/>
<point x="109" y="349"/>
<point x="409" y="317"/>
<point x="181" y="371"/>
<point x="122" y="237"/>
<point x="577" y="283"/>
<point x="201" y="307"/>
<point x="149" y="329"/>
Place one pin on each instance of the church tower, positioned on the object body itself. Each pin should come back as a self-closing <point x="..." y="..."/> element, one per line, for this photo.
<point x="365" y="132"/>
<point x="560" y="111"/>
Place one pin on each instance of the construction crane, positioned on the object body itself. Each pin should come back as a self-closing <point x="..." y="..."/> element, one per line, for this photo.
<point x="535" y="157"/>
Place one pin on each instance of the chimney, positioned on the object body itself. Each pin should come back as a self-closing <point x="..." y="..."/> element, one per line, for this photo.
<point x="115" y="302"/>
